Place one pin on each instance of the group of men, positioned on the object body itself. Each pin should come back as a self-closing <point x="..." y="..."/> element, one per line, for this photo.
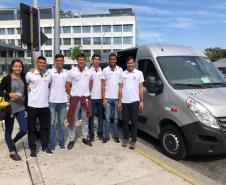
<point x="89" y="90"/>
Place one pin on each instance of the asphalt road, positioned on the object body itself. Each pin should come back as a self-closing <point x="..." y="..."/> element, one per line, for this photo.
<point x="209" y="167"/>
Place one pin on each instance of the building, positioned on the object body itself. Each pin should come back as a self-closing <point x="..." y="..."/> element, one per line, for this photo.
<point x="100" y="33"/>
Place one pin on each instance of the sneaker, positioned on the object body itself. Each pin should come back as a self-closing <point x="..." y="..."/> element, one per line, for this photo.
<point x="70" y="145"/>
<point x="15" y="157"/>
<point x="124" y="143"/>
<point x="105" y="140"/>
<point x="87" y="142"/>
<point x="62" y="147"/>
<point x="100" y="136"/>
<point x="49" y="152"/>
<point x="117" y="139"/>
<point x="33" y="153"/>
<point x="132" y="145"/>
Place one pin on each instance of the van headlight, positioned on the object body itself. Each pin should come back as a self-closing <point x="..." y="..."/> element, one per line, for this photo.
<point x="202" y="113"/>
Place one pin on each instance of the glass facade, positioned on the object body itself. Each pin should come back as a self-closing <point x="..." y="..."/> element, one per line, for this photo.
<point x="67" y="41"/>
<point x="97" y="29"/>
<point x="117" y="40"/>
<point x="86" y="41"/>
<point x="66" y="29"/>
<point x="11" y="41"/>
<point x="117" y="28"/>
<point x="127" y="40"/>
<point x="106" y="28"/>
<point x="11" y="31"/>
<point x="106" y="40"/>
<point x="47" y="30"/>
<point x="97" y="40"/>
<point x="77" y="41"/>
<point x="48" y="42"/>
<point x="48" y="53"/>
<point x="86" y="29"/>
<point x="76" y="29"/>
<point x="127" y="28"/>
<point x="2" y="31"/>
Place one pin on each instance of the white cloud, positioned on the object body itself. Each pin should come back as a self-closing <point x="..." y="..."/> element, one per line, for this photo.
<point x="148" y="37"/>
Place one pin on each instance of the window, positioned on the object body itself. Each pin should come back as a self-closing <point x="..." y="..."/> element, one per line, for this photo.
<point x="76" y="29"/>
<point x="77" y="41"/>
<point x="2" y="31"/>
<point x="106" y="28"/>
<point x="67" y="53"/>
<point x="117" y="40"/>
<point x="66" y="41"/>
<point x="18" y="42"/>
<point x="127" y="40"/>
<point x="106" y="51"/>
<point x="127" y="27"/>
<point x="96" y="29"/>
<point x="11" y="31"/>
<point x="97" y="51"/>
<point x="86" y="29"/>
<point x="66" y="29"/>
<point x="3" y="41"/>
<point x="87" y="53"/>
<point x="97" y="40"/>
<point x="117" y="28"/>
<point x="47" y="29"/>
<point x="18" y="31"/>
<point x="48" y="53"/>
<point x="106" y="40"/>
<point x="20" y="53"/>
<point x="48" y="42"/>
<point x="11" y="41"/>
<point x="86" y="41"/>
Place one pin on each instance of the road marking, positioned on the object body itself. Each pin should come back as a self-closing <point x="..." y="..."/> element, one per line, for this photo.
<point x="167" y="167"/>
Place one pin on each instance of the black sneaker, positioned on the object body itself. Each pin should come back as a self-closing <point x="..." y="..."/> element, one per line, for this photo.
<point x="33" y="153"/>
<point x="87" y="142"/>
<point x="132" y="145"/>
<point x="124" y="143"/>
<point x="100" y="136"/>
<point x="49" y="152"/>
<point x="15" y="157"/>
<point x="117" y="139"/>
<point x="105" y="140"/>
<point x="70" y="145"/>
<point x="14" y="148"/>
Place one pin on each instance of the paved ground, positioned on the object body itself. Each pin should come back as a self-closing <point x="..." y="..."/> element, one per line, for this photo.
<point x="102" y="164"/>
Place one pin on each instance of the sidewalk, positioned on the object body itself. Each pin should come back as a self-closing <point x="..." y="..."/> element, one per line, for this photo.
<point x="102" y="164"/>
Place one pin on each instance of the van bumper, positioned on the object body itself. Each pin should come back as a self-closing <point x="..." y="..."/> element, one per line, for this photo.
<point x="203" y="140"/>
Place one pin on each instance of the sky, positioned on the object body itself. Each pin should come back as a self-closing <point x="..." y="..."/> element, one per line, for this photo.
<point x="197" y="23"/>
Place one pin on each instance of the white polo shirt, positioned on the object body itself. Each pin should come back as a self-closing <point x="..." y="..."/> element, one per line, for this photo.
<point x="79" y="81"/>
<point x="130" y="85"/>
<point x="38" y="89"/>
<point x="112" y="81"/>
<point x="57" y="87"/>
<point x="96" y="77"/>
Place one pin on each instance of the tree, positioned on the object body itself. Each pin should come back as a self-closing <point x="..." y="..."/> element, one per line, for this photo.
<point x="74" y="52"/>
<point x="215" y="54"/>
<point x="67" y="14"/>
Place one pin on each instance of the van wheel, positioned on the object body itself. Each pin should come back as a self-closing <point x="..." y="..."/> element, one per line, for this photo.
<point x="172" y="142"/>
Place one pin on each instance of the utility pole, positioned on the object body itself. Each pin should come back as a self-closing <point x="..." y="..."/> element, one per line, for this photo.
<point x="57" y="27"/>
<point x="36" y="54"/>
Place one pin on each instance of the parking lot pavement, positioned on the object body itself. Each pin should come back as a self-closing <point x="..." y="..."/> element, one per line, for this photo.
<point x="102" y="164"/>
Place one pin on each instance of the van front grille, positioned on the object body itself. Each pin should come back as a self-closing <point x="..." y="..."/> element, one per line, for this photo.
<point x="222" y="123"/>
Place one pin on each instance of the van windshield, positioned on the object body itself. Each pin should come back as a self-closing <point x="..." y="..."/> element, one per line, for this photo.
<point x="189" y="72"/>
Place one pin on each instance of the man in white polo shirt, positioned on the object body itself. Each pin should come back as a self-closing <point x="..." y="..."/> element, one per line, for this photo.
<point x="109" y="87"/>
<point x="96" y="97"/>
<point x="131" y="100"/>
<point x="78" y="86"/>
<point x="57" y="101"/>
<point x="38" y="105"/>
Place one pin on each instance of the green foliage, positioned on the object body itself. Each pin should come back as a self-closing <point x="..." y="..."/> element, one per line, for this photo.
<point x="74" y="52"/>
<point x="67" y="14"/>
<point x="215" y="54"/>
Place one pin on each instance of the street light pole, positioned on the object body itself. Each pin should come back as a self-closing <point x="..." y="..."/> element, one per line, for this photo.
<point x="57" y="27"/>
<point x="36" y="54"/>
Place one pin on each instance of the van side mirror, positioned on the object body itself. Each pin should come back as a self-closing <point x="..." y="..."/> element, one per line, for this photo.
<point x="153" y="85"/>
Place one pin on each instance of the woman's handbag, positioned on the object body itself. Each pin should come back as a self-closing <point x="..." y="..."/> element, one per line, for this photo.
<point x="4" y="109"/>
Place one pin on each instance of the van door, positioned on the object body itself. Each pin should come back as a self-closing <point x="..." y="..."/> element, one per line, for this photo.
<point x="147" y="120"/>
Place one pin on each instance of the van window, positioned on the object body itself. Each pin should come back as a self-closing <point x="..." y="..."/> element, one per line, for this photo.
<point x="148" y="69"/>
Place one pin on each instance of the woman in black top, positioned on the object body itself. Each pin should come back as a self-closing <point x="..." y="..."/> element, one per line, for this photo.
<point x="14" y="89"/>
